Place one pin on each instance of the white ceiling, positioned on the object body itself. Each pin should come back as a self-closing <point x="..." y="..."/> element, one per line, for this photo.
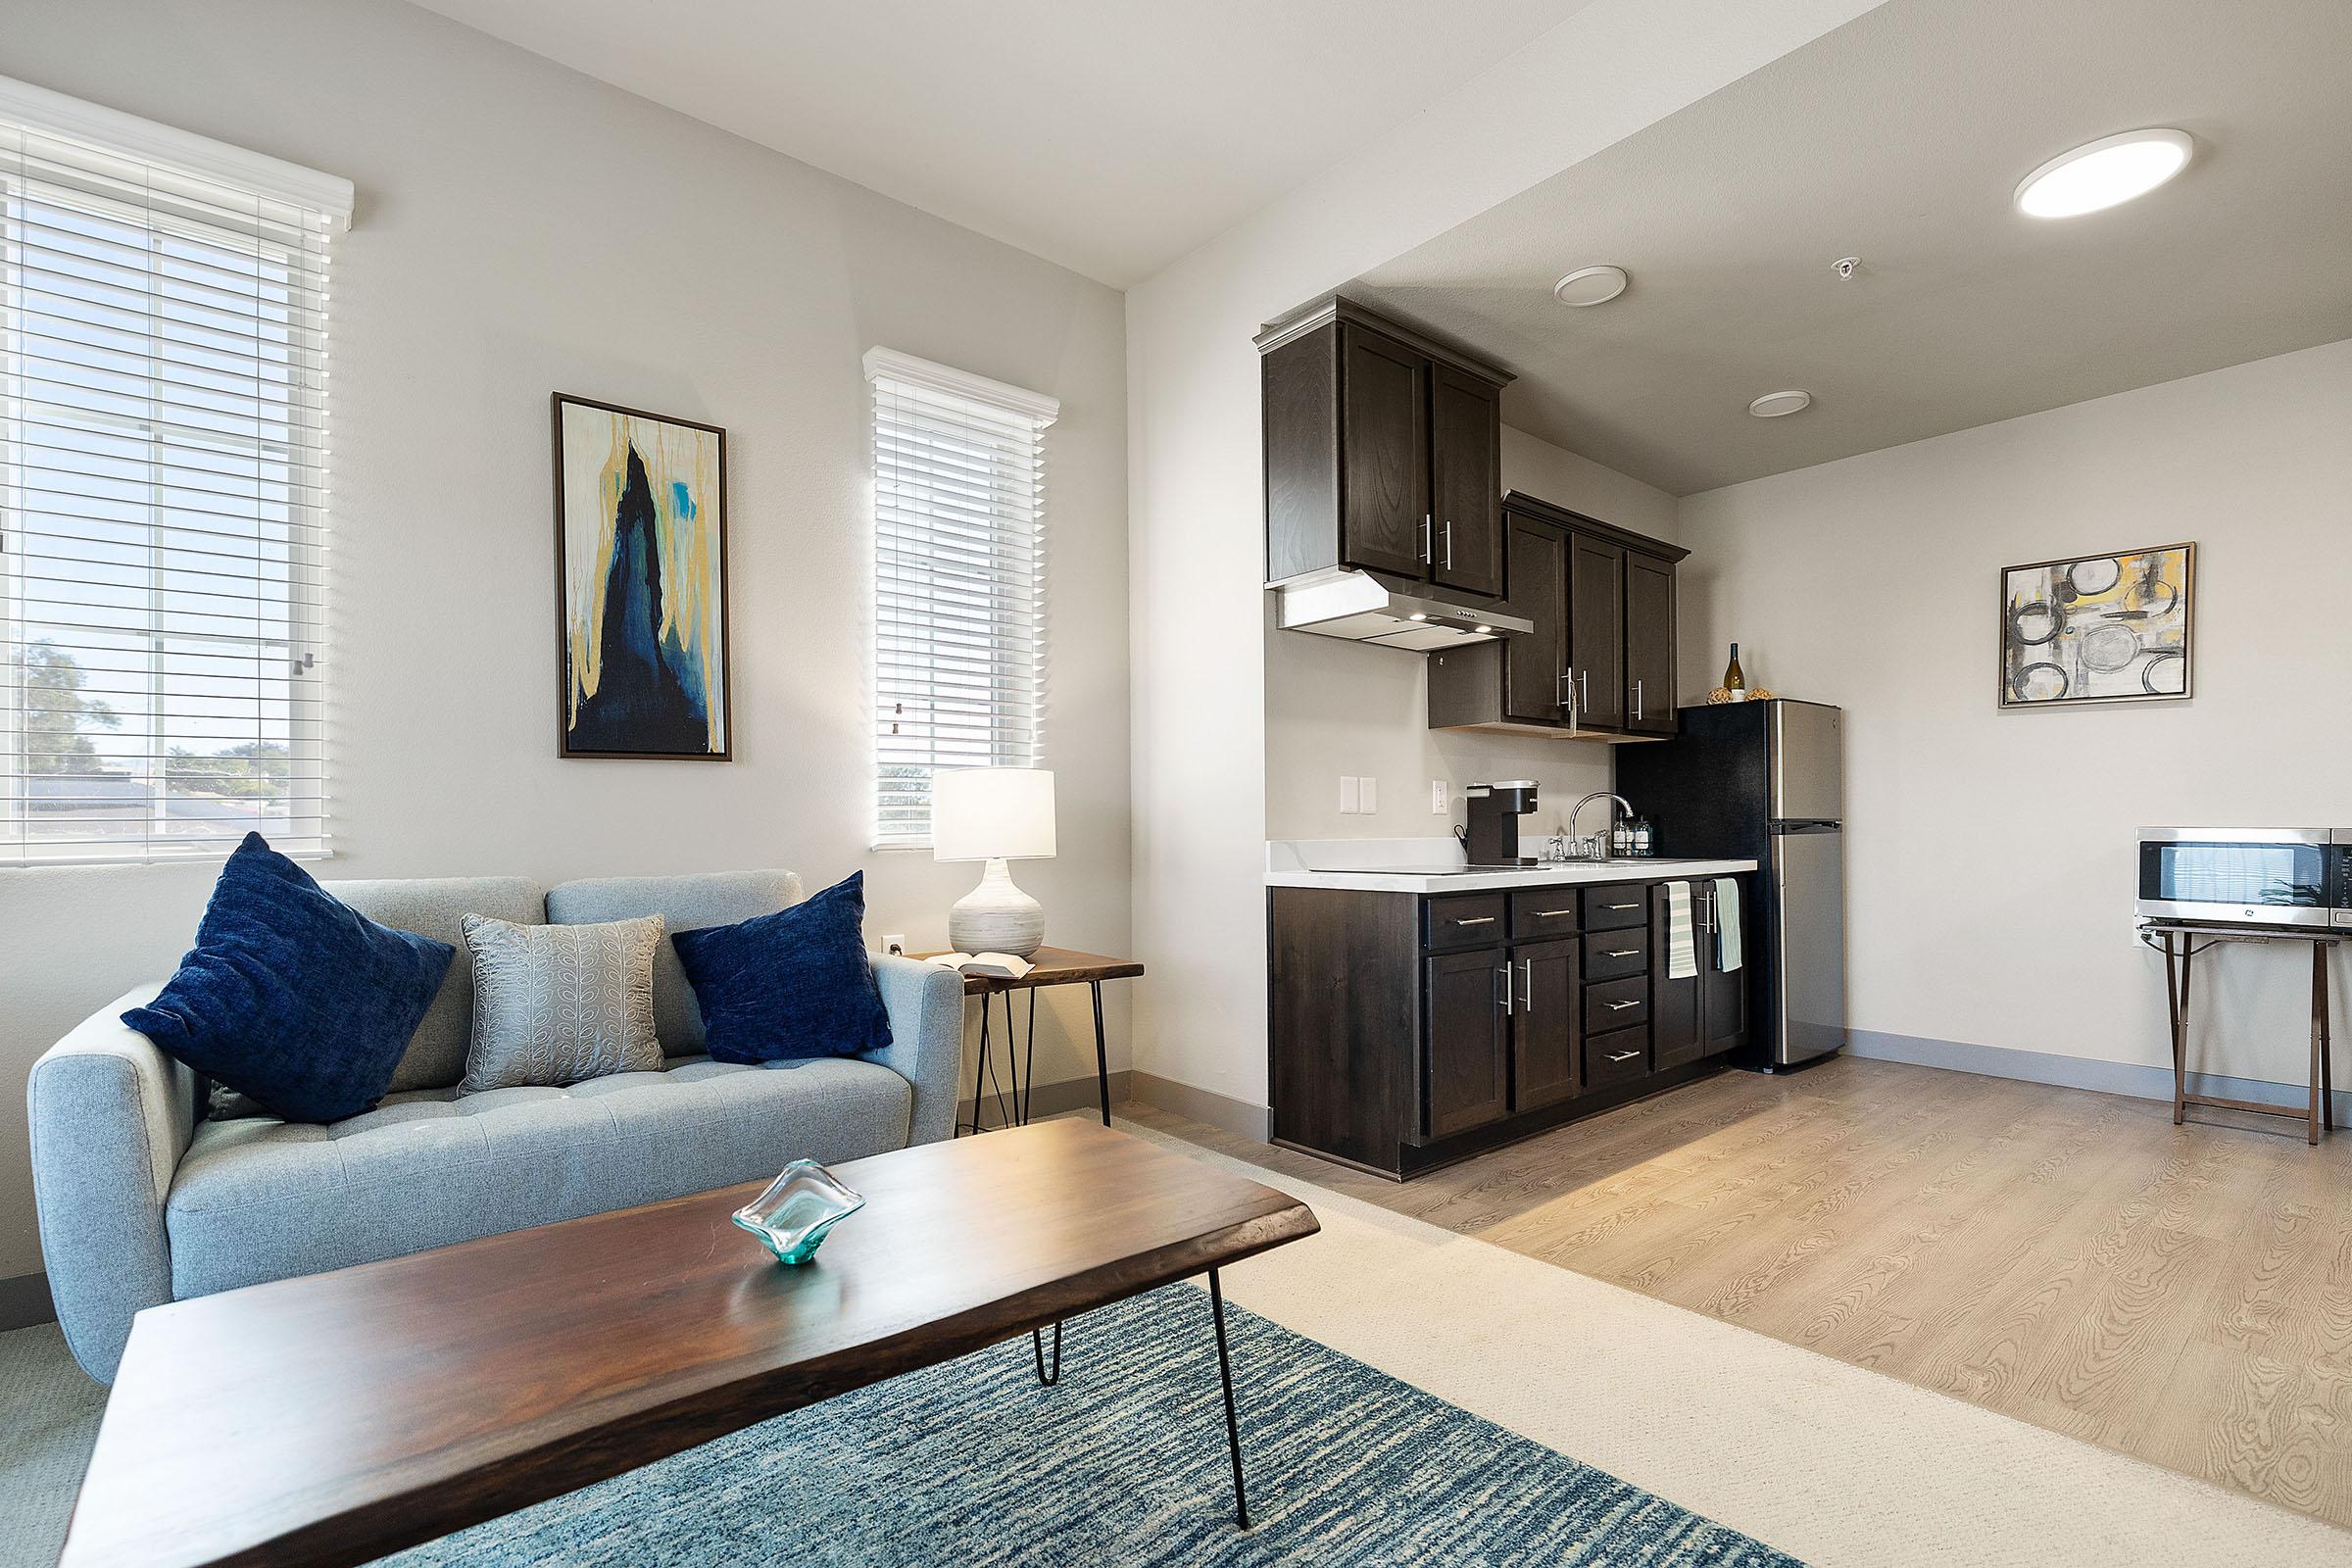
<point x="1110" y="135"/>
<point x="1900" y="138"/>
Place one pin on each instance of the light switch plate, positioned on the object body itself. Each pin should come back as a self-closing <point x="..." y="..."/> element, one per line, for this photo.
<point x="1441" y="797"/>
<point x="1350" y="799"/>
<point x="1367" y="794"/>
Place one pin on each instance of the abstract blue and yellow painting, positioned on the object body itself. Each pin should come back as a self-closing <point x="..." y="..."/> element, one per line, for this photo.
<point x="641" y="529"/>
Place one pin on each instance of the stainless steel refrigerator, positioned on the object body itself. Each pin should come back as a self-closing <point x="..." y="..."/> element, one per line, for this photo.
<point x="1764" y="781"/>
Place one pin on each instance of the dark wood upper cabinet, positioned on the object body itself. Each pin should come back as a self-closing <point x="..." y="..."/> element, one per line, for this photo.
<point x="1469" y="1083"/>
<point x="1534" y="666"/>
<point x="1600" y="664"/>
<point x="1465" y="480"/>
<point x="1597" y="631"/>
<point x="1649" y="645"/>
<point x="1383" y="452"/>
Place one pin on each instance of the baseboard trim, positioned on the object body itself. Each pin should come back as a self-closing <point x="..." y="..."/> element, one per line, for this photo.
<point x="24" y="1302"/>
<point x="2136" y="1079"/>
<point x="1052" y="1099"/>
<point x="1236" y="1117"/>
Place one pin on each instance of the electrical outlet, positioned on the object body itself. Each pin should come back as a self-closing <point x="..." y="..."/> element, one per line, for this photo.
<point x="1349" y="796"/>
<point x="1441" y="799"/>
<point x="1367" y="795"/>
<point x="895" y="943"/>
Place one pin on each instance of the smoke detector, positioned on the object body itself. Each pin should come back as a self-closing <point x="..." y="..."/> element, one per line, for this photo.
<point x="1590" y="285"/>
<point x="1780" y="405"/>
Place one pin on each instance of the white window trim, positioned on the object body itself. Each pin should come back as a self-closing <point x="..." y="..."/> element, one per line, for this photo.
<point x="889" y="364"/>
<point x="58" y="115"/>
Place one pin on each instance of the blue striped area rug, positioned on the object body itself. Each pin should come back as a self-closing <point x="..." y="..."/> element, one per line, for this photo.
<point x="973" y="1464"/>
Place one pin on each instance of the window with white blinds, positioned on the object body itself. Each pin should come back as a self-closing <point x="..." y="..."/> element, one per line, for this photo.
<point x="958" y="521"/>
<point x="162" y="488"/>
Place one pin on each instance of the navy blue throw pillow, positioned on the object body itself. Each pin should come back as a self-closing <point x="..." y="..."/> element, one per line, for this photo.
<point x="290" y="997"/>
<point x="793" y="984"/>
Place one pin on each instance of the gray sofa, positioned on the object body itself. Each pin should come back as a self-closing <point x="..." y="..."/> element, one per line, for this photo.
<point x="143" y="1202"/>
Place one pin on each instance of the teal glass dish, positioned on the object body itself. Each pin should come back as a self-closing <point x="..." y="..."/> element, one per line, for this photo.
<point x="804" y="1203"/>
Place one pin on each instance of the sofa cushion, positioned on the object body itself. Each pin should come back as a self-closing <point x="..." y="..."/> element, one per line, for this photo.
<point x="555" y="1005"/>
<point x="684" y="903"/>
<point x="436" y="907"/>
<point x="795" y="983"/>
<point x="290" y="997"/>
<point x="260" y="1200"/>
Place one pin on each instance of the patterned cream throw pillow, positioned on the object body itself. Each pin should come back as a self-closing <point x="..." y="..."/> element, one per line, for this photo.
<point x="553" y="1005"/>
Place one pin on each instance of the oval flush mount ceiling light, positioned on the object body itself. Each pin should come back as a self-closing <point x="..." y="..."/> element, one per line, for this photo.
<point x="1779" y="404"/>
<point x="2103" y="173"/>
<point x="1590" y="285"/>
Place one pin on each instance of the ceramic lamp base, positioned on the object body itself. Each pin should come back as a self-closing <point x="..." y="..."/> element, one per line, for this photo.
<point x="997" y="918"/>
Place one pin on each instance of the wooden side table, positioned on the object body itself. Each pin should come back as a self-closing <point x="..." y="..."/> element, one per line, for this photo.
<point x="1050" y="966"/>
<point x="2180" y="944"/>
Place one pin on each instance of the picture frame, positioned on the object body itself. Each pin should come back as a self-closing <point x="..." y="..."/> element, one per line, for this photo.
<point x="642" y="622"/>
<point x="2099" y="628"/>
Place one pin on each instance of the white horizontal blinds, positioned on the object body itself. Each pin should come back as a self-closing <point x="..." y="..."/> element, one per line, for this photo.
<point x="163" y="477"/>
<point x="959" y="515"/>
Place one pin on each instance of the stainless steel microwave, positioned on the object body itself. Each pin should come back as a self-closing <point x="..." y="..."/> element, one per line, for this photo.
<point x="2246" y="876"/>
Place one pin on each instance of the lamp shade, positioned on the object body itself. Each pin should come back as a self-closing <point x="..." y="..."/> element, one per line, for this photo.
<point x="987" y="814"/>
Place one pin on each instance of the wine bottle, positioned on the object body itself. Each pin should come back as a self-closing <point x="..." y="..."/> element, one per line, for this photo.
<point x="1734" y="682"/>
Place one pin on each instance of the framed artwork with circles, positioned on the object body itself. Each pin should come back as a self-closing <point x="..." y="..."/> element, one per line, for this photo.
<point x="2099" y="628"/>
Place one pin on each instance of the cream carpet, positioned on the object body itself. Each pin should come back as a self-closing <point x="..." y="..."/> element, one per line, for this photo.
<point x="1838" y="1465"/>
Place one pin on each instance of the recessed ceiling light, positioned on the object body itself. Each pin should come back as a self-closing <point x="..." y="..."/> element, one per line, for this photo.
<point x="1778" y="405"/>
<point x="1590" y="285"/>
<point x="2104" y="173"/>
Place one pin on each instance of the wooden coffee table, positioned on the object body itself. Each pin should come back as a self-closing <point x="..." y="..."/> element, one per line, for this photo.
<point x="336" y="1418"/>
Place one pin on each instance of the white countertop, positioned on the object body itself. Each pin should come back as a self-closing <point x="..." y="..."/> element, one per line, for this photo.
<point x="1432" y="865"/>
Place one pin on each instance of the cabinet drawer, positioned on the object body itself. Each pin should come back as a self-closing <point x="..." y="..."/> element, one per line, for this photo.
<point x="1471" y="920"/>
<point x="1543" y="913"/>
<point x="1614" y="1057"/>
<point x="1613" y="907"/>
<point x="1616" y="1005"/>
<point x="1613" y="955"/>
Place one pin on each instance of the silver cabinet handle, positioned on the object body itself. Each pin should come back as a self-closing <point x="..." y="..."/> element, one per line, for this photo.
<point x="1425" y="537"/>
<point x="1620" y="1007"/>
<point x="1481" y="919"/>
<point x="1625" y="1055"/>
<point x="1527" y="989"/>
<point x="1448" y="544"/>
<point x="1621" y="906"/>
<point x="1583" y="688"/>
<point x="1623" y="952"/>
<point x="1552" y="914"/>
<point x="1637" y="699"/>
<point x="1506" y="972"/>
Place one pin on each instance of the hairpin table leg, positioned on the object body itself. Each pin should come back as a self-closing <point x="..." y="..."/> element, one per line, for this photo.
<point x="1102" y="1054"/>
<point x="1037" y="1349"/>
<point x="1232" y="1430"/>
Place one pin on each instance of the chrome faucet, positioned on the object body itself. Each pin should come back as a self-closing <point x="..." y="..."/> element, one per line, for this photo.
<point x="1600" y="845"/>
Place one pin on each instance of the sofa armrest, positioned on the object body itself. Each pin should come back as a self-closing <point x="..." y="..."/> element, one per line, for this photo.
<point x="110" y="1118"/>
<point x="925" y="1004"/>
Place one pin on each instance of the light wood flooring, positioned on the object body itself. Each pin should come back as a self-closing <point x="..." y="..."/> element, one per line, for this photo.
<point x="2073" y="1259"/>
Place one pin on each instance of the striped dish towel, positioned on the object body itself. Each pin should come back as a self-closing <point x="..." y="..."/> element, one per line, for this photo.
<point x="1727" y="924"/>
<point x="1682" y="948"/>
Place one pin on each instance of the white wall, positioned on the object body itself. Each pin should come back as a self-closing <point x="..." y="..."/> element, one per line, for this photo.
<point x="1991" y="852"/>
<point x="1196" y="618"/>
<point x="1338" y="708"/>
<point x="522" y="231"/>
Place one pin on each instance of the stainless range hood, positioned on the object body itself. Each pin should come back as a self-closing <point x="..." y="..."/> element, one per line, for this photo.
<point x="1366" y="606"/>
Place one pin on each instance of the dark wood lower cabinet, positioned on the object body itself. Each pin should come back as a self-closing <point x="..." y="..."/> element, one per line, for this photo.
<point x="1406" y="1031"/>
<point x="1469" y="1042"/>
<point x="1699" y="1014"/>
<point x="1544" y="1064"/>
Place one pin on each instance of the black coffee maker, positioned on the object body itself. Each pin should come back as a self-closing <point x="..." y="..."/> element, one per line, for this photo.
<point x="1493" y="837"/>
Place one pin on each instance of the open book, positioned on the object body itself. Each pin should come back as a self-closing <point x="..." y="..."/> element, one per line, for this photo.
<point x="1003" y="965"/>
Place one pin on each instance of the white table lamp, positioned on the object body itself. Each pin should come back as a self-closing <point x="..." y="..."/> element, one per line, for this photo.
<point x="994" y="814"/>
